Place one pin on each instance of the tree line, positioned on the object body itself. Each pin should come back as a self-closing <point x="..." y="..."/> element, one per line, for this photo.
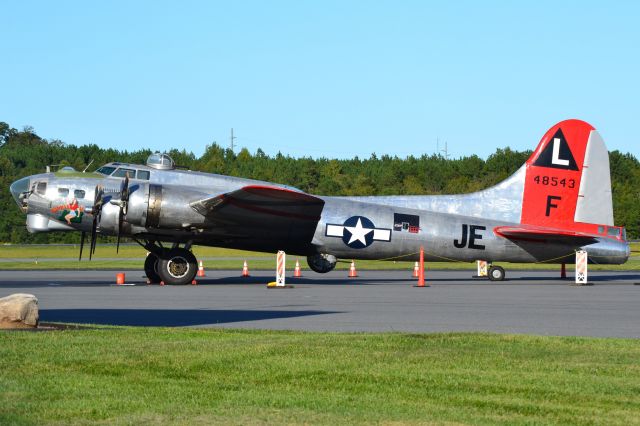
<point x="23" y="152"/>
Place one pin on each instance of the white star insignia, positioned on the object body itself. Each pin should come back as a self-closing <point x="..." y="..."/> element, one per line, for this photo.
<point x="358" y="233"/>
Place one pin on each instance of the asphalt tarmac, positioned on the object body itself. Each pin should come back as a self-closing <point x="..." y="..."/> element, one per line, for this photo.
<point x="529" y="302"/>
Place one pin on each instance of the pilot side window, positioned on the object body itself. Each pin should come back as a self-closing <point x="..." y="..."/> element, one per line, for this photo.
<point x="122" y="172"/>
<point x="41" y="189"/>
<point x="143" y="174"/>
<point x="63" y="192"/>
<point x="106" y="170"/>
<point x="78" y="194"/>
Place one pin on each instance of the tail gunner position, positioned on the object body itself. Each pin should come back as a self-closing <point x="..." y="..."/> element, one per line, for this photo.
<point x="559" y="201"/>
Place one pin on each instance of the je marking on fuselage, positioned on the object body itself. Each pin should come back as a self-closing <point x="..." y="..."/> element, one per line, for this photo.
<point x="470" y="237"/>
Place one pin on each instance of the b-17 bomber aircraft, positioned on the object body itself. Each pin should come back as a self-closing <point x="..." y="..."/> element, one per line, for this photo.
<point x="558" y="202"/>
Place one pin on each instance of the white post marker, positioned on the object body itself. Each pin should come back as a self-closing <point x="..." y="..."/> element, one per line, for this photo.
<point x="280" y="263"/>
<point x="581" y="267"/>
<point x="482" y="268"/>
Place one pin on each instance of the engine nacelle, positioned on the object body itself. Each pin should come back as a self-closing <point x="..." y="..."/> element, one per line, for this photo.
<point x="162" y="206"/>
<point x="322" y="263"/>
<point x="109" y="216"/>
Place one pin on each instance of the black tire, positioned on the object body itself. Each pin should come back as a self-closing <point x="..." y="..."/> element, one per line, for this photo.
<point x="177" y="267"/>
<point x="496" y="273"/>
<point x="321" y="263"/>
<point x="151" y="268"/>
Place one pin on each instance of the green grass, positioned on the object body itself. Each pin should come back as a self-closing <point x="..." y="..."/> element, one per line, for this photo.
<point x="41" y="257"/>
<point x="65" y="257"/>
<point x="187" y="376"/>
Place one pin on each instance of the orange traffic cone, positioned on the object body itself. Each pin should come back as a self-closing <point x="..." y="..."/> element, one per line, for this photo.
<point x="352" y="270"/>
<point x="245" y="269"/>
<point x="415" y="270"/>
<point x="296" y="271"/>
<point x="201" y="270"/>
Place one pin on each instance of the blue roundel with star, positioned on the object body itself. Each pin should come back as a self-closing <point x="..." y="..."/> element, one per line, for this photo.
<point x="358" y="232"/>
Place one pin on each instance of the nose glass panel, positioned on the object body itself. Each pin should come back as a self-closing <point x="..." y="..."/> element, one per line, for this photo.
<point x="19" y="187"/>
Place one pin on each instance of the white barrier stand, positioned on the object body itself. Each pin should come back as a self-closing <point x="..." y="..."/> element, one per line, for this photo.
<point x="483" y="267"/>
<point x="582" y="260"/>
<point x="280" y="269"/>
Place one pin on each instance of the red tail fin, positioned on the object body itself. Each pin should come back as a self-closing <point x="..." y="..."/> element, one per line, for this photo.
<point x="567" y="181"/>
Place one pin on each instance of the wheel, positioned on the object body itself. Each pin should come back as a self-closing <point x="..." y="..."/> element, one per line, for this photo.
<point x="322" y="263"/>
<point x="151" y="268"/>
<point x="496" y="273"/>
<point x="177" y="267"/>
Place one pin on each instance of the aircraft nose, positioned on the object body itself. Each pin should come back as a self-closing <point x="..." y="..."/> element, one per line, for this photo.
<point x="18" y="190"/>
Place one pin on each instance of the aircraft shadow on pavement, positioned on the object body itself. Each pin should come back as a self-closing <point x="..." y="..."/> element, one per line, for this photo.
<point x="166" y="317"/>
<point x="263" y="280"/>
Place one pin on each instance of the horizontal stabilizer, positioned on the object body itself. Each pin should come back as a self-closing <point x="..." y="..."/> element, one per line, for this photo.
<point x="536" y="234"/>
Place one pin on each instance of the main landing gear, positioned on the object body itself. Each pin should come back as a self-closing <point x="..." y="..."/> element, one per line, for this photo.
<point x="174" y="266"/>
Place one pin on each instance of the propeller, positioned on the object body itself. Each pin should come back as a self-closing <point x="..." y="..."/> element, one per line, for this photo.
<point x="96" y="210"/>
<point x="82" y="237"/>
<point x="124" y="202"/>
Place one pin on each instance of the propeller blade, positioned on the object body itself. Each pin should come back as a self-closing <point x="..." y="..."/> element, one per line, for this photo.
<point x="124" y="201"/>
<point x="96" y="211"/>
<point x="82" y="236"/>
<point x="94" y="235"/>
<point x="124" y="189"/>
<point x="120" y="219"/>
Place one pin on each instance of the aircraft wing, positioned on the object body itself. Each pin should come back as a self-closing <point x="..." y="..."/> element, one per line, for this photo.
<point x="535" y="234"/>
<point x="260" y="212"/>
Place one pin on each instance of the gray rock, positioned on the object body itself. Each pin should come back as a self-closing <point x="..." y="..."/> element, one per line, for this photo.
<point x="19" y="310"/>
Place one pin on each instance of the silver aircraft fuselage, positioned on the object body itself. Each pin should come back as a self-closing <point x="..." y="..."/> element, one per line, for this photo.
<point x="450" y="228"/>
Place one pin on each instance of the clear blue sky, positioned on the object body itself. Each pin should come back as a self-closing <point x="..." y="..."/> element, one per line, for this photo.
<point x="324" y="78"/>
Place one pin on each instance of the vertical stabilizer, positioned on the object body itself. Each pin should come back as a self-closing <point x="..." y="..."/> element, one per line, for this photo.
<point x="567" y="180"/>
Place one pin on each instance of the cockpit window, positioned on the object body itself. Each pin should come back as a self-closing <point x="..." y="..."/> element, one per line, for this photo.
<point x="106" y="170"/>
<point x="78" y="194"/>
<point x="143" y="174"/>
<point x="613" y="232"/>
<point x="63" y="192"/>
<point x="41" y="189"/>
<point x="122" y="172"/>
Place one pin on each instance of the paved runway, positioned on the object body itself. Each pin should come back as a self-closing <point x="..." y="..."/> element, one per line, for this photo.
<point x="530" y="302"/>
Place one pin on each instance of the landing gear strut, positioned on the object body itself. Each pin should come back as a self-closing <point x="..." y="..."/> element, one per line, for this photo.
<point x="175" y="266"/>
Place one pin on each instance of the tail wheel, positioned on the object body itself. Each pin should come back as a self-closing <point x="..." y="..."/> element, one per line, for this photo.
<point x="151" y="268"/>
<point x="496" y="273"/>
<point x="177" y="267"/>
